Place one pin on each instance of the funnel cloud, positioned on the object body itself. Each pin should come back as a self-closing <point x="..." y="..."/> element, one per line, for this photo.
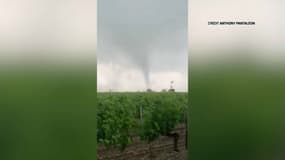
<point x="139" y="40"/>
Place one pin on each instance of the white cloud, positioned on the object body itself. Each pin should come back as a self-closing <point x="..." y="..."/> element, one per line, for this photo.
<point x="119" y="78"/>
<point x="129" y="78"/>
<point x="55" y="29"/>
<point x="161" y="80"/>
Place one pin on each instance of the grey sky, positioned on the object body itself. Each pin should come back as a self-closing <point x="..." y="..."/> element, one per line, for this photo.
<point x="137" y="37"/>
<point x="48" y="29"/>
<point x="139" y="40"/>
<point x="265" y="40"/>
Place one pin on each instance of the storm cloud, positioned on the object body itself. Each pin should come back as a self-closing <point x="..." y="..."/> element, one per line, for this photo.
<point x="145" y="38"/>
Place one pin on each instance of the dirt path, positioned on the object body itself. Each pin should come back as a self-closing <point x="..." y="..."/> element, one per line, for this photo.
<point x="182" y="155"/>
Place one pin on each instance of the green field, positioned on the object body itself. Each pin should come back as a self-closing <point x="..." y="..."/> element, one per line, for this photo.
<point x="148" y="115"/>
<point x="47" y="114"/>
<point x="237" y="112"/>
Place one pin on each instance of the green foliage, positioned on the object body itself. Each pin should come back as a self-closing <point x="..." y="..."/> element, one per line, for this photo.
<point x="47" y="114"/>
<point x="237" y="112"/>
<point x="119" y="116"/>
<point x="115" y="119"/>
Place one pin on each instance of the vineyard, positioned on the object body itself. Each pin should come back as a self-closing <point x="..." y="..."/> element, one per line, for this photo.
<point x="122" y="117"/>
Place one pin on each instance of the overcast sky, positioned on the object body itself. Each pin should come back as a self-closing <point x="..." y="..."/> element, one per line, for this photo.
<point x="265" y="40"/>
<point x="142" y="44"/>
<point x="60" y="30"/>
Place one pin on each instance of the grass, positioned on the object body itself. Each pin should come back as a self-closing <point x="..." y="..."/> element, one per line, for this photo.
<point x="47" y="114"/>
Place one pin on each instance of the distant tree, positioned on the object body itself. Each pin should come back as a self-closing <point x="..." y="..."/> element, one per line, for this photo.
<point x="171" y="90"/>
